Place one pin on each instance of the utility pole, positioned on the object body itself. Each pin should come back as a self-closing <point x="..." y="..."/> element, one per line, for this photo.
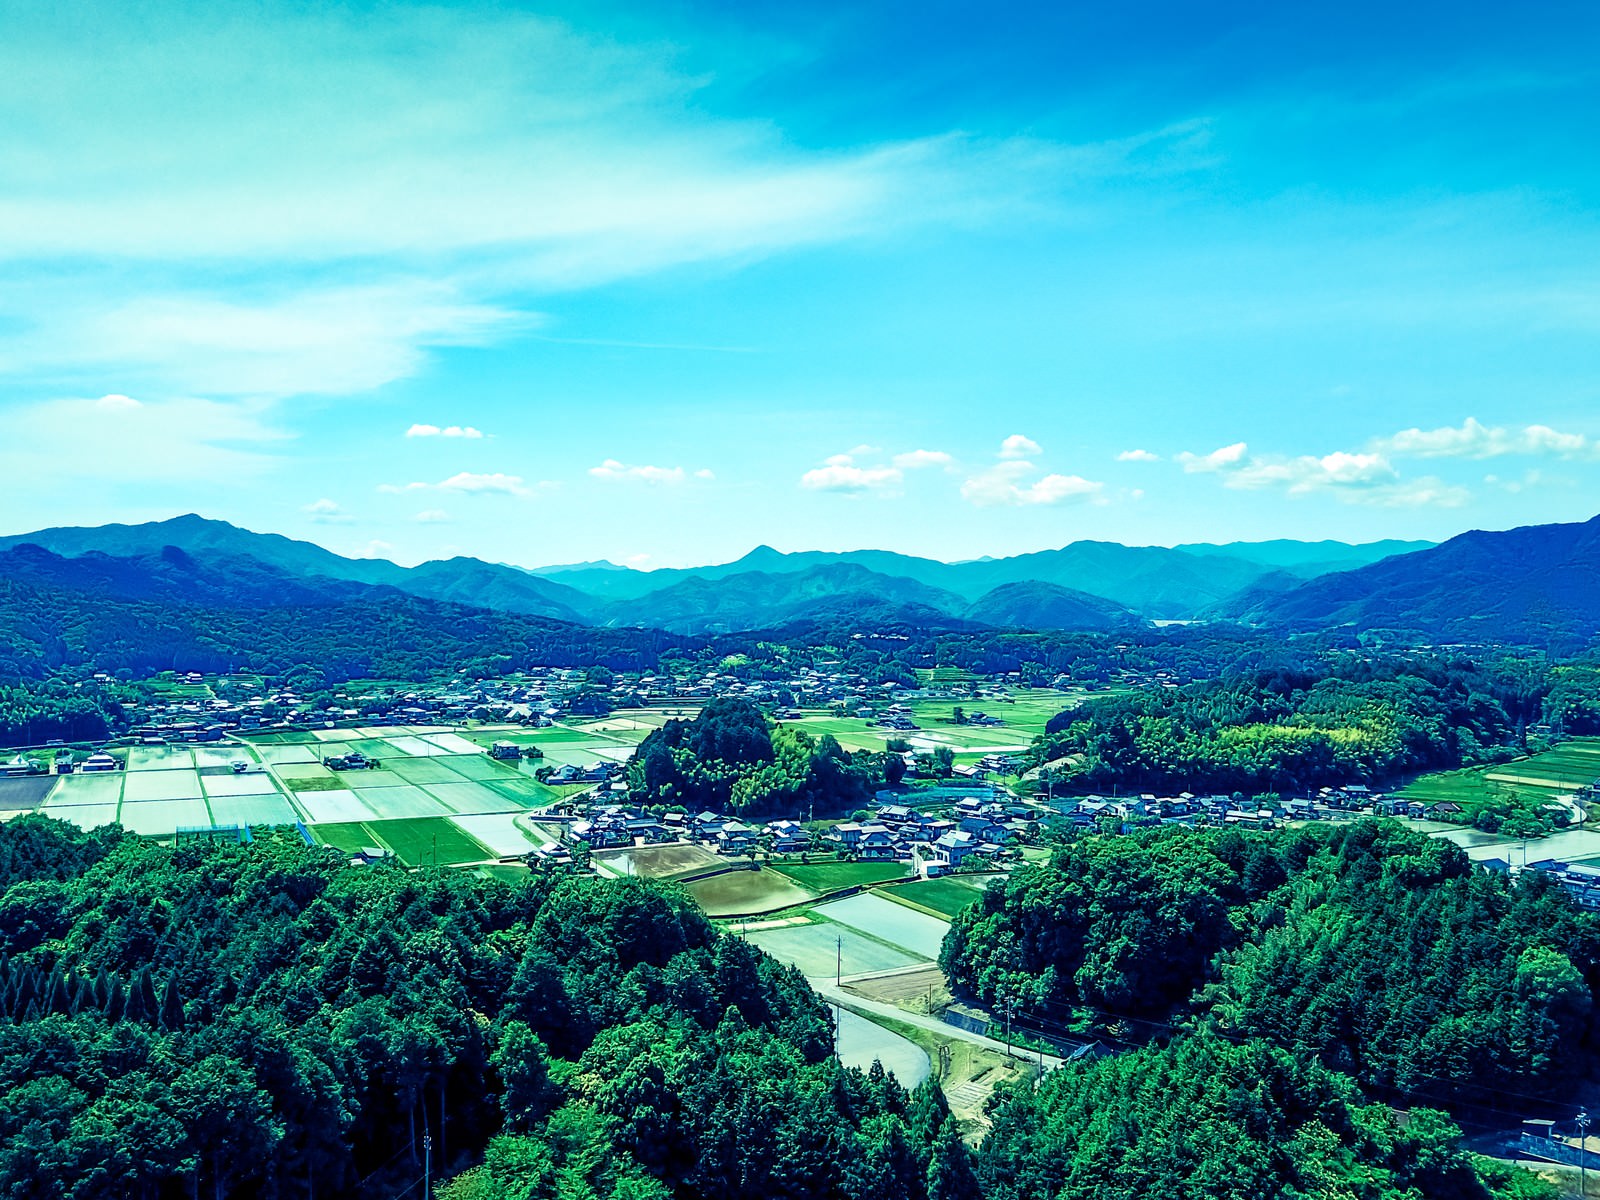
<point x="838" y="959"/>
<point x="427" y="1165"/>
<point x="1583" y="1154"/>
<point x="1006" y="1005"/>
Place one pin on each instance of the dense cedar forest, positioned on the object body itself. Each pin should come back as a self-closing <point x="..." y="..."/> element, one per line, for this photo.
<point x="731" y="758"/>
<point x="268" y="1022"/>
<point x="1290" y="730"/>
<point x="1207" y="1119"/>
<point x="1380" y="951"/>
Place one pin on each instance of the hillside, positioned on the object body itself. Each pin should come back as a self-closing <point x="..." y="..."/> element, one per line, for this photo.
<point x="1535" y="584"/>
<point x="217" y="544"/>
<point x="1047" y="606"/>
<point x="757" y="600"/>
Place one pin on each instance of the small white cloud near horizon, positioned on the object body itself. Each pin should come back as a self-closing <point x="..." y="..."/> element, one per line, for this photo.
<point x="1138" y="456"/>
<point x="913" y="460"/>
<point x="1217" y="460"/>
<point x="614" y="471"/>
<point x="432" y="516"/>
<point x="840" y="474"/>
<point x="326" y="512"/>
<point x="1362" y="477"/>
<point x="468" y="483"/>
<point x="447" y="431"/>
<point x="1474" y="440"/>
<point x="1006" y="485"/>
<point x="1017" y="446"/>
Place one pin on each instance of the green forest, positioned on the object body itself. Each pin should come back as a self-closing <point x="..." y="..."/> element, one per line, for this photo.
<point x="265" y="1021"/>
<point x="1380" y="951"/>
<point x="1290" y="730"/>
<point x="732" y="758"/>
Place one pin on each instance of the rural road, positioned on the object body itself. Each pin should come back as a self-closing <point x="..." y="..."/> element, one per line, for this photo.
<point x="831" y="992"/>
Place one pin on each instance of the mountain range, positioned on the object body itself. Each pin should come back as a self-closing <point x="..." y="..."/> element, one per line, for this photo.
<point x="1084" y="585"/>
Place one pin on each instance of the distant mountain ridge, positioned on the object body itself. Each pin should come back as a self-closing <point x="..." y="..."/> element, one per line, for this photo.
<point x="1537" y="584"/>
<point x="1085" y="585"/>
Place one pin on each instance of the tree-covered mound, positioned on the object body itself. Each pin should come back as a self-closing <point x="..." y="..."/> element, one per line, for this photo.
<point x="1293" y="729"/>
<point x="1207" y="1119"/>
<point x="266" y="1021"/>
<point x="1383" y="952"/>
<point x="732" y="759"/>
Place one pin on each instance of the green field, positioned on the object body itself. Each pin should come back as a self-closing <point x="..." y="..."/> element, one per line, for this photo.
<point x="415" y="841"/>
<point x="1525" y="782"/>
<point x="827" y="877"/>
<point x="947" y="897"/>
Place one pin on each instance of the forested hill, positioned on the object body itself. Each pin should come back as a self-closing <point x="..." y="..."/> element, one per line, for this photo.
<point x="388" y="635"/>
<point x="1379" y="950"/>
<point x="1082" y="585"/>
<point x="1537" y="584"/>
<point x="267" y="1023"/>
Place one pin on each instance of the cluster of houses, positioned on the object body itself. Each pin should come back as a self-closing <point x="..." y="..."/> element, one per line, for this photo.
<point x="65" y="762"/>
<point x="1188" y="808"/>
<point x="978" y="824"/>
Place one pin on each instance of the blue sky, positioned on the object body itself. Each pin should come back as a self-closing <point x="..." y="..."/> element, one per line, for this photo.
<point x="660" y="283"/>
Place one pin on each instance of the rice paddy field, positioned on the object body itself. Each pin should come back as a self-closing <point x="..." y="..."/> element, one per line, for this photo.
<point x="905" y="928"/>
<point x="1025" y="713"/>
<point x="433" y="787"/>
<point x="831" y="876"/>
<point x="1537" y="780"/>
<point x="948" y="896"/>
<point x="819" y="949"/>
<point x="672" y="861"/>
<point x="740" y="892"/>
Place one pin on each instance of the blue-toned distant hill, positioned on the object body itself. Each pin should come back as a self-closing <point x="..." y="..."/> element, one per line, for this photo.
<point x="1085" y="585"/>
<point x="1538" y="584"/>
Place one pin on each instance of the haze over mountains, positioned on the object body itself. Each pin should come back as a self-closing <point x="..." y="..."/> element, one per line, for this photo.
<point x="1085" y="585"/>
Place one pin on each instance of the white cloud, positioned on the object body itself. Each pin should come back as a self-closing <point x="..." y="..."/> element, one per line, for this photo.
<point x="705" y="473"/>
<point x="1217" y="460"/>
<point x="432" y="516"/>
<point x="468" y="483"/>
<point x="326" y="512"/>
<point x="1308" y="473"/>
<point x="1366" y="477"/>
<point x="1007" y="484"/>
<point x="1017" y="446"/>
<point x="1473" y="439"/>
<point x="863" y="450"/>
<point x="616" y="471"/>
<point x="448" y="431"/>
<point x="1138" y="456"/>
<point x="840" y="475"/>
<point x="168" y="217"/>
<point x="913" y="460"/>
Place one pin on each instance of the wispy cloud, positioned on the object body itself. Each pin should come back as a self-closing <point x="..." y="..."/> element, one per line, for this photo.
<point x="1366" y="477"/>
<point x="842" y="475"/>
<point x="1218" y="460"/>
<point x="1138" y="456"/>
<point x="615" y="471"/>
<point x="913" y="460"/>
<point x="468" y="483"/>
<point x="326" y="512"/>
<point x="118" y="439"/>
<point x="1008" y="484"/>
<point x="1017" y="446"/>
<point x="1472" y="439"/>
<point x="447" y="431"/>
<point x="446" y="162"/>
